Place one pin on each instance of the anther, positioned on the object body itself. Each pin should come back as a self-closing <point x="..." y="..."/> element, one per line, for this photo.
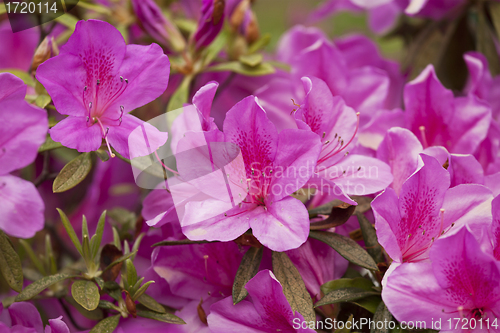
<point x="98" y="82"/>
<point x="85" y="89"/>
<point x="121" y="78"/>
<point x="126" y="80"/>
<point x="324" y="134"/>
<point x="327" y="142"/>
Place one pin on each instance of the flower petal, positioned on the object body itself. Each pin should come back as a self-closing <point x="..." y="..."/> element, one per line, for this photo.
<point x="75" y="133"/>
<point x="21" y="207"/>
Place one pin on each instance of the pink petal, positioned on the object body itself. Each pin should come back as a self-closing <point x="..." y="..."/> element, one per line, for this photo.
<point x="75" y="133"/>
<point x="25" y="314"/>
<point x="21" y="207"/>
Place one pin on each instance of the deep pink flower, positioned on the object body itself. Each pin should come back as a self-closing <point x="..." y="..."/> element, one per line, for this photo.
<point x="23" y="317"/>
<point x="17" y="48"/>
<point x="276" y="165"/>
<point x="24" y="130"/>
<point x="495" y="209"/>
<point x="461" y="282"/>
<point x="426" y="208"/>
<point x="336" y="126"/>
<point x="265" y="310"/>
<point x="210" y="23"/>
<point x="96" y="80"/>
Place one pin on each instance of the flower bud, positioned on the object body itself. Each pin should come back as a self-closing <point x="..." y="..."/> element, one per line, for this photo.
<point x="47" y="49"/>
<point x="210" y="23"/>
<point x="155" y="24"/>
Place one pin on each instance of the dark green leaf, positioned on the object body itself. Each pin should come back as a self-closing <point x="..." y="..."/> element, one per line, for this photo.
<point x="49" y="144"/>
<point x="249" y="266"/>
<point x="382" y="314"/>
<point x="494" y="9"/>
<point x="360" y="283"/>
<point x="100" y="282"/>
<point x="347" y="248"/>
<point x="95" y="243"/>
<point x="142" y="289"/>
<point x="164" y="317"/>
<point x="107" y="325"/>
<point x="293" y="286"/>
<point x="345" y="295"/>
<point x="38" y="286"/>
<point x="10" y="264"/>
<point x="108" y="305"/>
<point x="239" y="68"/>
<point x="338" y="216"/>
<point x="370" y="237"/>
<point x="102" y="154"/>
<point x="71" y="232"/>
<point x="369" y="303"/>
<point x="150" y="303"/>
<point x="86" y="294"/>
<point x="119" y="260"/>
<point x="72" y="173"/>
<point x="325" y="209"/>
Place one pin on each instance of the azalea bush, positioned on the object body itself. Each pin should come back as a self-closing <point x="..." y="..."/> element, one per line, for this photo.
<point x="171" y="166"/>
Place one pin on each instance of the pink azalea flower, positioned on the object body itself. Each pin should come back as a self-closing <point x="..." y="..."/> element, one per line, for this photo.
<point x="210" y="23"/>
<point x="25" y="129"/>
<point x="266" y="310"/>
<point x="425" y="210"/>
<point x="460" y="282"/>
<point x="24" y="317"/>
<point x="495" y="208"/>
<point x="438" y="118"/>
<point x="336" y="125"/>
<point x="96" y="80"/>
<point x="276" y="165"/>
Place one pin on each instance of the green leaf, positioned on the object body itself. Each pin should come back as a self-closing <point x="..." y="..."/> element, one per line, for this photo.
<point x="49" y="144"/>
<point x="100" y="282"/>
<point x="142" y="290"/>
<point x="164" y="317"/>
<point x="119" y="260"/>
<point x="95" y="7"/>
<point x="293" y="286"/>
<point x="382" y="314"/>
<point x="181" y="242"/>
<point x="107" y="325"/>
<point x="72" y="173"/>
<point x="49" y="256"/>
<point x="181" y="95"/>
<point x="347" y="248"/>
<point x="345" y="295"/>
<point x="260" y="43"/>
<point x="38" y="286"/>
<point x="34" y="258"/>
<point x="239" y="68"/>
<point x="360" y="283"/>
<point x="10" y="264"/>
<point x="249" y="266"/>
<point x="373" y="248"/>
<point x="42" y="101"/>
<point x="369" y="303"/>
<point x="131" y="272"/>
<point x="213" y="50"/>
<point x="95" y="243"/>
<point x="251" y="60"/>
<point x="86" y="294"/>
<point x="108" y="305"/>
<point x="3" y="10"/>
<point x="71" y="232"/>
<point x="27" y="79"/>
<point x="151" y="303"/>
<point x="494" y="9"/>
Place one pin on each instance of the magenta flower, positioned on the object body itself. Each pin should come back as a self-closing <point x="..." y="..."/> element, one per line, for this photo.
<point x="425" y="210"/>
<point x="461" y="282"/>
<point x="336" y="125"/>
<point x="265" y="310"/>
<point x="24" y="317"/>
<point x="438" y="118"/>
<point x="96" y="80"/>
<point x="25" y="129"/>
<point x="276" y="165"/>
<point x="495" y="208"/>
